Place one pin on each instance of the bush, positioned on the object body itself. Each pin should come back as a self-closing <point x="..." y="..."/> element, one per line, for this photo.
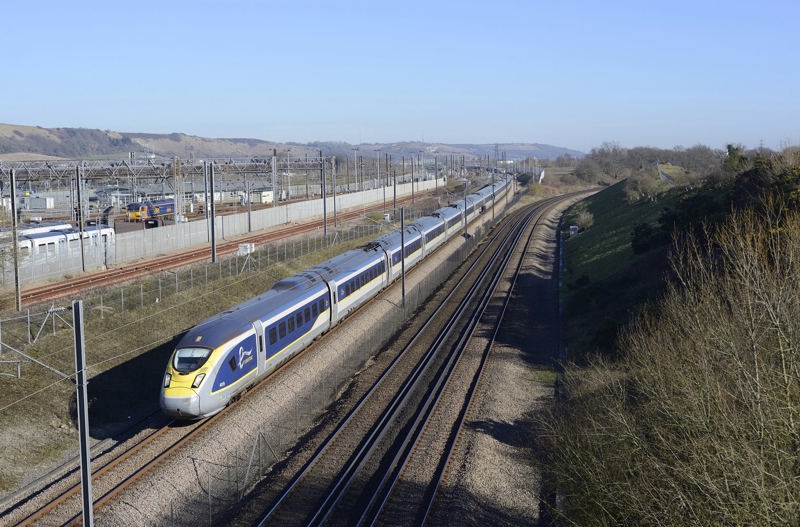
<point x="699" y="422"/>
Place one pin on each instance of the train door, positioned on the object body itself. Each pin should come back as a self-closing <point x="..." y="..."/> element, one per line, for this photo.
<point x="333" y="297"/>
<point x="262" y="346"/>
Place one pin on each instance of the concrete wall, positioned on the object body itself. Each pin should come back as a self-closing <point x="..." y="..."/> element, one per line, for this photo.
<point x="146" y="243"/>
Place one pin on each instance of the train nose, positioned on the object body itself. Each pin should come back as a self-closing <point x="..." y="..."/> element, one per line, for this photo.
<point x="181" y="403"/>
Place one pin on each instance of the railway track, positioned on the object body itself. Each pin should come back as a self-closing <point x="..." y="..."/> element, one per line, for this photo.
<point x="353" y="476"/>
<point x="441" y="429"/>
<point x="357" y="481"/>
<point x="65" y="288"/>
<point x="60" y="504"/>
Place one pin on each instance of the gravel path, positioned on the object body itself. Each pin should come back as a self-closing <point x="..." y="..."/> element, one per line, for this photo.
<point x="496" y="480"/>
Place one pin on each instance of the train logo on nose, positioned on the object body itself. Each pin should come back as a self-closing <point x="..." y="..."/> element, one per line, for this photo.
<point x="245" y="356"/>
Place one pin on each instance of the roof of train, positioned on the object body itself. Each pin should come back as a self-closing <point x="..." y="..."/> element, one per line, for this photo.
<point x="472" y="198"/>
<point x="426" y="223"/>
<point x="71" y="230"/>
<point x="391" y="240"/>
<point x="346" y="263"/>
<point x="50" y="234"/>
<point x="486" y="191"/>
<point x="447" y="212"/>
<point x="222" y="327"/>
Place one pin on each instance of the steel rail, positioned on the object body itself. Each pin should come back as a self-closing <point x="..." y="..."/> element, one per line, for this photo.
<point x="383" y="490"/>
<point x="305" y="470"/>
<point x="464" y="412"/>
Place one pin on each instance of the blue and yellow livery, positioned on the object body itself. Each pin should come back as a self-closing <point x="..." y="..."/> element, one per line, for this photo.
<point x="148" y="210"/>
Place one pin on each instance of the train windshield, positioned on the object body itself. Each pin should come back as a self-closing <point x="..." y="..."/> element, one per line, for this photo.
<point x="189" y="359"/>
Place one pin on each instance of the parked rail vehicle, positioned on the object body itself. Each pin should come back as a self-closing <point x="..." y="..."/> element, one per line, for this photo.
<point x="62" y="239"/>
<point x="149" y="210"/>
<point x="229" y="352"/>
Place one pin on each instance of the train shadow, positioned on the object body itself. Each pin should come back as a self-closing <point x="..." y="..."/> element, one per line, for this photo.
<point x="122" y="400"/>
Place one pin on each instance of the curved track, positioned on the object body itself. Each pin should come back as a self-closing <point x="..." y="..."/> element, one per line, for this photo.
<point x="352" y="477"/>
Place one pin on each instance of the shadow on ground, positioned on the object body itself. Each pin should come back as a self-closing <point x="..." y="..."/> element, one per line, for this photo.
<point x="121" y="398"/>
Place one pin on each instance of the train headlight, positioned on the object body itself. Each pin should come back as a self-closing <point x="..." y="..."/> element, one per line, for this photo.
<point x="167" y="379"/>
<point x="198" y="380"/>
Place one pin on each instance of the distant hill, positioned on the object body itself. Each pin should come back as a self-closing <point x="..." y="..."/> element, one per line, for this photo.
<point x="18" y="142"/>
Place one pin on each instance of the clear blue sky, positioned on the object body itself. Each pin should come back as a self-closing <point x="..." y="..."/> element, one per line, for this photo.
<point x="571" y="73"/>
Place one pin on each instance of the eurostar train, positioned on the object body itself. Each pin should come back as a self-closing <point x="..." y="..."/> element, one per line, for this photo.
<point x="220" y="358"/>
<point x="63" y="239"/>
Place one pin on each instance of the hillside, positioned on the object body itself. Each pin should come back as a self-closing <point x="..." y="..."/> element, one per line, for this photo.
<point x="19" y="142"/>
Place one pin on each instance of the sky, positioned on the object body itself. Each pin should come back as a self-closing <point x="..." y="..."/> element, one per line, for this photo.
<point x="571" y="73"/>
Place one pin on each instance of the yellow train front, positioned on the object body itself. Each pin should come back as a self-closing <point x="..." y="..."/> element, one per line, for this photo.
<point x="227" y="353"/>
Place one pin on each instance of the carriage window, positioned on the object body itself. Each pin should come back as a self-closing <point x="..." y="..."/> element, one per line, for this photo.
<point x="314" y="310"/>
<point x="273" y="335"/>
<point x="299" y="319"/>
<point x="308" y="314"/>
<point x="291" y="324"/>
<point x="282" y="329"/>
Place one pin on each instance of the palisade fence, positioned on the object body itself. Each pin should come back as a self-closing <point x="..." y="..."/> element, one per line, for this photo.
<point x="130" y="246"/>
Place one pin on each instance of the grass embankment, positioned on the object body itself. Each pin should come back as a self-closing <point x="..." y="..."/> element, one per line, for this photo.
<point x="603" y="278"/>
<point x="694" y="422"/>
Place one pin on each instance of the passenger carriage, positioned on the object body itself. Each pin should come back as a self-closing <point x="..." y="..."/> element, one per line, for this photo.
<point x="452" y="218"/>
<point x="390" y="245"/>
<point x="433" y="233"/>
<point x="353" y="278"/>
<point x="471" y="210"/>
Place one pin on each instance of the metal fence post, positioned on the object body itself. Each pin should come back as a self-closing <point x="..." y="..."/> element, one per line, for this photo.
<point x="83" y="412"/>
